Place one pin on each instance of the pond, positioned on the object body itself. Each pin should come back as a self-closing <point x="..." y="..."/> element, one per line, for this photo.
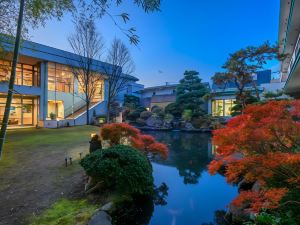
<point x="186" y="193"/>
<point x="194" y="196"/>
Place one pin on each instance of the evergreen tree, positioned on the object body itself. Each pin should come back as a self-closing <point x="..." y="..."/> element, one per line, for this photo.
<point x="190" y="91"/>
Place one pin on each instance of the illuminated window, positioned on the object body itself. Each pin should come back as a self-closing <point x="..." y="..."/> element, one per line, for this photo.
<point x="60" y="78"/>
<point x="56" y="108"/>
<point x="222" y="107"/>
<point x="99" y="90"/>
<point x="21" y="111"/>
<point x="27" y="75"/>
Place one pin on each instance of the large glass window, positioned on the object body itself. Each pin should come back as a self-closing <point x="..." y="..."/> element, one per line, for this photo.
<point x="99" y="90"/>
<point x="56" y="108"/>
<point x="222" y="107"/>
<point x="27" y="75"/>
<point x="60" y="78"/>
<point x="21" y="111"/>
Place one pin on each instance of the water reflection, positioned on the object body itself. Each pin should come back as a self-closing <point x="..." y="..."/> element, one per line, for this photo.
<point x="194" y="196"/>
<point x="189" y="153"/>
<point x="187" y="194"/>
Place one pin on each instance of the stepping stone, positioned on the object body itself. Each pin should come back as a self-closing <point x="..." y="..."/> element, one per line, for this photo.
<point x="100" y="218"/>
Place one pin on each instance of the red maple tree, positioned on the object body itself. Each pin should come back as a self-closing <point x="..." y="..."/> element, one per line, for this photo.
<point x="123" y="133"/>
<point x="261" y="146"/>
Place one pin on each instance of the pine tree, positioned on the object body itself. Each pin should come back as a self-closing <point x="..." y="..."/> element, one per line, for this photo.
<point x="190" y="91"/>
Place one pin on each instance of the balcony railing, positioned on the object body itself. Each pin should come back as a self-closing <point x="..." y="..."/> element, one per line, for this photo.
<point x="294" y="55"/>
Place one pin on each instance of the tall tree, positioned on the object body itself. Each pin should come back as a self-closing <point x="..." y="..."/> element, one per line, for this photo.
<point x="190" y="91"/>
<point x="241" y="66"/>
<point x="37" y="12"/>
<point x="119" y="71"/>
<point x="87" y="43"/>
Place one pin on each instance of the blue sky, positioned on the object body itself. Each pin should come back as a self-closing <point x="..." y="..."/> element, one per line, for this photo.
<point x="185" y="35"/>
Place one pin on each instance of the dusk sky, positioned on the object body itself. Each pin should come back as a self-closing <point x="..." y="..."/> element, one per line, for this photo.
<point x="185" y="35"/>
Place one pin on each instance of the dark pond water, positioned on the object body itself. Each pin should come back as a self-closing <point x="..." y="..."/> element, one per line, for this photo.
<point x="194" y="197"/>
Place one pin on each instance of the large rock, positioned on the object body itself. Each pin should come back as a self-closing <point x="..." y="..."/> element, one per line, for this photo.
<point x="189" y="126"/>
<point x="100" y="218"/>
<point x="154" y="122"/>
<point x="107" y="206"/>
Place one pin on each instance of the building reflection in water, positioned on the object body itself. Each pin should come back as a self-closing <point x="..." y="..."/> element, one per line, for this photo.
<point x="190" y="153"/>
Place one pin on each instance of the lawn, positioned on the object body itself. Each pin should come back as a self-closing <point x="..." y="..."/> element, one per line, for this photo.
<point x="66" y="212"/>
<point x="32" y="171"/>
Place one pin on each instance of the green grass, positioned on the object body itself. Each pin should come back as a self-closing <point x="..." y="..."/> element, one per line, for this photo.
<point x="66" y="212"/>
<point x="21" y="143"/>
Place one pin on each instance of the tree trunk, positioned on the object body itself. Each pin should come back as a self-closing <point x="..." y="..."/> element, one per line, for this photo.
<point x="87" y="112"/>
<point x="12" y="78"/>
<point x="108" y="111"/>
<point x="256" y="90"/>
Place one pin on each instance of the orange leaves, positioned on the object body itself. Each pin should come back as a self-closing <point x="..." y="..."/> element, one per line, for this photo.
<point x="215" y="166"/>
<point x="267" y="137"/>
<point x="123" y="133"/>
<point x="256" y="201"/>
<point x="159" y="148"/>
<point x="115" y="131"/>
<point x="147" y="139"/>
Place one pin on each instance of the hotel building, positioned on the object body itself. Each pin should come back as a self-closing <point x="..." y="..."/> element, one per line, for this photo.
<point x="289" y="43"/>
<point x="46" y="93"/>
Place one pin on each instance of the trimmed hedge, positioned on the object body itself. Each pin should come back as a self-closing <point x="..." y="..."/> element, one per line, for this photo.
<point x="121" y="168"/>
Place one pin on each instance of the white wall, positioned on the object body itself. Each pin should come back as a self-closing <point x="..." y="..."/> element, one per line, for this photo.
<point x="147" y="94"/>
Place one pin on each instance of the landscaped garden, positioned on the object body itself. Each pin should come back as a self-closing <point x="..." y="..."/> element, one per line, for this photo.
<point x="32" y="170"/>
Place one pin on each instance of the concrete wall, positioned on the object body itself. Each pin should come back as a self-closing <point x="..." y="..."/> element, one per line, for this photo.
<point x="147" y="94"/>
<point x="100" y="109"/>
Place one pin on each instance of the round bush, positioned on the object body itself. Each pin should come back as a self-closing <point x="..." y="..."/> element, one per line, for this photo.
<point x="121" y="168"/>
<point x="145" y="114"/>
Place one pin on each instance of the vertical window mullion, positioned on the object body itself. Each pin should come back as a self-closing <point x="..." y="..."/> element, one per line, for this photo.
<point x="223" y="107"/>
<point x="22" y="83"/>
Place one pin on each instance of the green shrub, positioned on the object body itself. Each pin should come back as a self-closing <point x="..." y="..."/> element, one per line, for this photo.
<point x="174" y="109"/>
<point x="168" y="118"/>
<point x="140" y="122"/>
<point x="133" y="115"/>
<point x="131" y="101"/>
<point x="158" y="112"/>
<point x="145" y="115"/>
<point x="122" y="169"/>
<point x="187" y="115"/>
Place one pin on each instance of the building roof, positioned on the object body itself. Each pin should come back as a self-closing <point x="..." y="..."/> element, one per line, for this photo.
<point x="169" y="86"/>
<point x="47" y="53"/>
<point x="162" y="87"/>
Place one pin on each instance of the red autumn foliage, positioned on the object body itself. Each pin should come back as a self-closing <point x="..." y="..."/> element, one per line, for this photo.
<point x="261" y="145"/>
<point x="120" y="133"/>
<point x="256" y="200"/>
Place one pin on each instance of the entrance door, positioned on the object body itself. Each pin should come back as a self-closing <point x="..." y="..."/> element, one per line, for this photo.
<point x="21" y="111"/>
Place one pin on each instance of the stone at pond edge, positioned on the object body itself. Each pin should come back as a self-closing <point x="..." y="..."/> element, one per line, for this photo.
<point x="107" y="206"/>
<point x="154" y="122"/>
<point x="100" y="218"/>
<point x="189" y="126"/>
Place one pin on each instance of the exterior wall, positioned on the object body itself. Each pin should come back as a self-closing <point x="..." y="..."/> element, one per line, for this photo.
<point x="100" y="109"/>
<point x="273" y="87"/>
<point x="149" y="93"/>
<point x="132" y="88"/>
<point x="41" y="54"/>
<point x="289" y="44"/>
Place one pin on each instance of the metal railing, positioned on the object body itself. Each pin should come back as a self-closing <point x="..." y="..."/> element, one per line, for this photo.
<point x="294" y="56"/>
<point x="72" y="109"/>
